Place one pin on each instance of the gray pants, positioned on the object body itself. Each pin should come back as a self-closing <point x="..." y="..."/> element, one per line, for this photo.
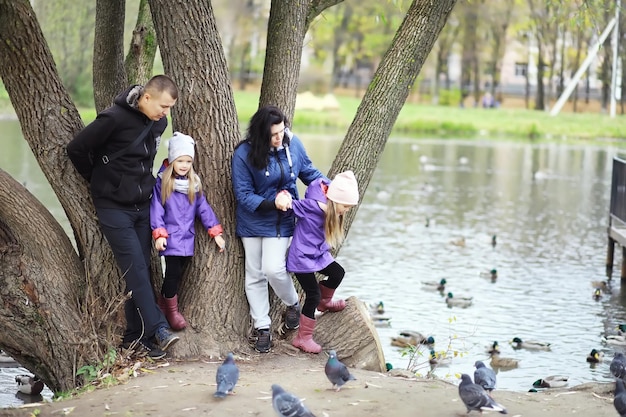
<point x="265" y="263"/>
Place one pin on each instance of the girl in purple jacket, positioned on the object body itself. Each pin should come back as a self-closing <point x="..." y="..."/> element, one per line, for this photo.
<point x="319" y="227"/>
<point x="177" y="201"/>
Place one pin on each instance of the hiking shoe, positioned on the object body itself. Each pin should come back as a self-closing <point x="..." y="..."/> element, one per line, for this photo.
<point x="264" y="341"/>
<point x="292" y="317"/>
<point x="143" y="348"/>
<point x="165" y="338"/>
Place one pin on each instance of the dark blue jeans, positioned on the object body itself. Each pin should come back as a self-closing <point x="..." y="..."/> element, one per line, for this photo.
<point x="128" y="232"/>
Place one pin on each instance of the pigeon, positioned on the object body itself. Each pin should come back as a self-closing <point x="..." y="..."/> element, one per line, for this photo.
<point x="226" y="377"/>
<point x="476" y="398"/>
<point x="620" y="398"/>
<point x="27" y="384"/>
<point x="287" y="404"/>
<point x="618" y="365"/>
<point x="336" y="371"/>
<point x="485" y="377"/>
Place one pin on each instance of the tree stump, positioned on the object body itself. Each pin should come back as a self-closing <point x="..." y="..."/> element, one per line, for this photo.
<point x="352" y="335"/>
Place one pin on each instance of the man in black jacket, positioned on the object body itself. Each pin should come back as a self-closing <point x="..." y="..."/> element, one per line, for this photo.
<point x="115" y="154"/>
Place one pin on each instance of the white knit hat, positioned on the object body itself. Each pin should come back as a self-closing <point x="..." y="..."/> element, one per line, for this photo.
<point x="344" y="189"/>
<point x="179" y="145"/>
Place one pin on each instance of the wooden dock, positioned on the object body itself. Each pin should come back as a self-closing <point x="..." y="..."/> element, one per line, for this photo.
<point x="617" y="217"/>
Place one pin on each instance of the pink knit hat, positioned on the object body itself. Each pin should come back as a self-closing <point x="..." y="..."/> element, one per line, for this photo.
<point x="344" y="189"/>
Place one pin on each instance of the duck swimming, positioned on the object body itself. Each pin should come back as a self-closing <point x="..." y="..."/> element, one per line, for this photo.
<point x="434" y="285"/>
<point x="494" y="347"/>
<point x="595" y="356"/>
<point x="492" y="274"/>
<point x="411" y="338"/>
<point x="499" y="362"/>
<point x="529" y="344"/>
<point x="462" y="302"/>
<point x="553" y="381"/>
<point x="27" y="384"/>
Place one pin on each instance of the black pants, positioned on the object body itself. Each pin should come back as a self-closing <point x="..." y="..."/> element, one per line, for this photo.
<point x="308" y="282"/>
<point x="128" y="232"/>
<point x="174" y="266"/>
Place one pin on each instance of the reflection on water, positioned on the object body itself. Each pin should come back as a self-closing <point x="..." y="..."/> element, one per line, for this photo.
<point x="547" y="205"/>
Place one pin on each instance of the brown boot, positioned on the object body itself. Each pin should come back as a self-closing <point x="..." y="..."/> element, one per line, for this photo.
<point x="304" y="340"/>
<point x="326" y="301"/>
<point x="169" y="306"/>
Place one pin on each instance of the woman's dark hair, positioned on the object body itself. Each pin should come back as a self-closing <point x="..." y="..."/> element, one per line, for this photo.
<point x="259" y="134"/>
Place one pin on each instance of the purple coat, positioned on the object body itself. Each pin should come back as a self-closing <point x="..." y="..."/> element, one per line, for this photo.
<point x="309" y="251"/>
<point x="177" y="219"/>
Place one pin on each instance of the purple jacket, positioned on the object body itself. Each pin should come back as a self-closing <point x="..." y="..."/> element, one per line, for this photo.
<point x="175" y="220"/>
<point x="309" y="251"/>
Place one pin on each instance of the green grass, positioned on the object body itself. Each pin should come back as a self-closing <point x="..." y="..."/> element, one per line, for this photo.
<point x="424" y="120"/>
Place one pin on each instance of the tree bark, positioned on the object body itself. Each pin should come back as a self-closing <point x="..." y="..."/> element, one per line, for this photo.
<point x="109" y="76"/>
<point x="143" y="46"/>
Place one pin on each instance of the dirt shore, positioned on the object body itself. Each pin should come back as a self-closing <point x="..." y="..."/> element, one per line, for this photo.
<point x="183" y="389"/>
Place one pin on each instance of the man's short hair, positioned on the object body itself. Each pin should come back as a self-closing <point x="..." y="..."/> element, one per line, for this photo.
<point x="160" y="84"/>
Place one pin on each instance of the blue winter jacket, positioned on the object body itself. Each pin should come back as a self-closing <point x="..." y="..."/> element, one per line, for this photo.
<point x="252" y="186"/>
<point x="176" y="219"/>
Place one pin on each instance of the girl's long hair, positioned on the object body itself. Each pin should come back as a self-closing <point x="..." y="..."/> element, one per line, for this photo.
<point x="167" y="184"/>
<point x="333" y="225"/>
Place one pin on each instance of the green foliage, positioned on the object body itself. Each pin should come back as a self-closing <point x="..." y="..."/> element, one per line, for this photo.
<point x="450" y="97"/>
<point x="90" y="373"/>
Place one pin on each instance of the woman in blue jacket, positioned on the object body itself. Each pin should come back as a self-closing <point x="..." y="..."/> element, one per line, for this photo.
<point x="178" y="200"/>
<point x="269" y="160"/>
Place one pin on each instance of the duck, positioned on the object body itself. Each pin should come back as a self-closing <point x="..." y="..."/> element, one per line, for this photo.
<point x="529" y="344"/>
<point x="494" y="241"/>
<point x="597" y="294"/>
<point x="462" y="302"/>
<point x="378" y="308"/>
<point x="494" y="347"/>
<point x="499" y="362"/>
<point x="553" y="381"/>
<point x="595" y="356"/>
<point x="492" y="274"/>
<point x="29" y="384"/>
<point x="615" y="339"/>
<point x="434" y="285"/>
<point x="604" y="286"/>
<point x="439" y="359"/>
<point x="408" y="338"/>
<point x="458" y="242"/>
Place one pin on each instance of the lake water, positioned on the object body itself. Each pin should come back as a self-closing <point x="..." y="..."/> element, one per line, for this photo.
<point x="547" y="205"/>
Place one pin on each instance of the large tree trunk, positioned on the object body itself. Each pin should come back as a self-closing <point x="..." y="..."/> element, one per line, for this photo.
<point x="143" y="47"/>
<point x="109" y="77"/>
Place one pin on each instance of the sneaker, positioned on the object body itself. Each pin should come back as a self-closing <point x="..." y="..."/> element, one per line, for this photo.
<point x="165" y="338"/>
<point x="264" y="341"/>
<point x="292" y="317"/>
<point x="142" y="348"/>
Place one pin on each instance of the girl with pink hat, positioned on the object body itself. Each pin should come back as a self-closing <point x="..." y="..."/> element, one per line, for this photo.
<point x="319" y="227"/>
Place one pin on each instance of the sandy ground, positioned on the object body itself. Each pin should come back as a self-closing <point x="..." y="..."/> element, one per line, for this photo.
<point x="182" y="389"/>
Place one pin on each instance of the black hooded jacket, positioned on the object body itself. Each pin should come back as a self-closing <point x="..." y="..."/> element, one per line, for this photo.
<point x="125" y="182"/>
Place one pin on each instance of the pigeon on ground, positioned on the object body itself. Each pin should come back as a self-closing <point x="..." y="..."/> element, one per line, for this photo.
<point x="620" y="398"/>
<point x="336" y="371"/>
<point x="27" y="384"/>
<point x="226" y="377"/>
<point x="618" y="365"/>
<point x="485" y="377"/>
<point x="476" y="398"/>
<point x="287" y="404"/>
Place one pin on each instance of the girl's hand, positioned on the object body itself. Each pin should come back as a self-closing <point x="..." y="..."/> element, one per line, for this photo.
<point x="160" y="244"/>
<point x="221" y="243"/>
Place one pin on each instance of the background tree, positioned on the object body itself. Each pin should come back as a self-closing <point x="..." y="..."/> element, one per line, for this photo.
<point x="51" y="329"/>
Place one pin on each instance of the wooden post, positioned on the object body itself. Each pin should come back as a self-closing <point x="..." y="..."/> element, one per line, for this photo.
<point x="623" y="276"/>
<point x="609" y="257"/>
